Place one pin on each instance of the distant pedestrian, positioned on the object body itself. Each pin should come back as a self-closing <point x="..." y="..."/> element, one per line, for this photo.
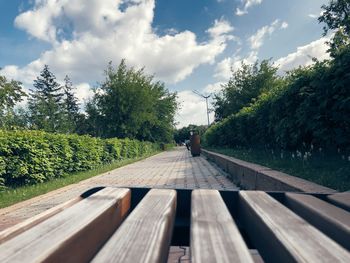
<point x="187" y="143"/>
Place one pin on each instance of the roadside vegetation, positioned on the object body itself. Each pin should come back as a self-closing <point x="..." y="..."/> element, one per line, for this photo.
<point x="127" y="104"/>
<point x="261" y="115"/>
<point x="53" y="140"/>
<point x="32" y="157"/>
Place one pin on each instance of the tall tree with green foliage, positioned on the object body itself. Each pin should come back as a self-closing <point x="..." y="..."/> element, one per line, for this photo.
<point x="92" y="123"/>
<point x="129" y="103"/>
<point x="11" y="92"/>
<point x="70" y="106"/>
<point x="245" y="85"/>
<point x="45" y="102"/>
<point x="336" y="16"/>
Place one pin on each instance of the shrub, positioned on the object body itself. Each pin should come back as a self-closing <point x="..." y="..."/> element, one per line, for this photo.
<point x="310" y="107"/>
<point x="37" y="156"/>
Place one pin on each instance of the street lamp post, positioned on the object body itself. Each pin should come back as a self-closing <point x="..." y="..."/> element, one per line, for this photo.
<point x="206" y="100"/>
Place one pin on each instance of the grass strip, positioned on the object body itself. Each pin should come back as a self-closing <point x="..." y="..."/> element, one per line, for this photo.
<point x="11" y="196"/>
<point x="330" y="170"/>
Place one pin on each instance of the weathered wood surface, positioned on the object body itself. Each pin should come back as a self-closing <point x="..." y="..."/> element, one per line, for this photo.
<point x="82" y="230"/>
<point x="15" y="230"/>
<point x="145" y="235"/>
<point x="282" y="236"/>
<point x="75" y="234"/>
<point x="341" y="199"/>
<point x="332" y="220"/>
<point x="214" y="235"/>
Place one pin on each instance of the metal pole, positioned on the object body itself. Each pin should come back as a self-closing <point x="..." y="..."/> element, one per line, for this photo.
<point x="206" y="99"/>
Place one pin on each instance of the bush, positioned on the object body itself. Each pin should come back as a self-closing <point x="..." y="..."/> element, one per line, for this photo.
<point x="28" y="157"/>
<point x="310" y="108"/>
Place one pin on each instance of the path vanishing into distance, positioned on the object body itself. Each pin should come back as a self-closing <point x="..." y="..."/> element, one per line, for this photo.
<point x="175" y="169"/>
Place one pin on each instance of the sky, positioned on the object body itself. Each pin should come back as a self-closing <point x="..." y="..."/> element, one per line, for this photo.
<point x="188" y="44"/>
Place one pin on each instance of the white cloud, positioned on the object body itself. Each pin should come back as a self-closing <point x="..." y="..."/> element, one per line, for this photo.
<point x="25" y="76"/>
<point x="100" y="31"/>
<point x="303" y="55"/>
<point x="39" y="21"/>
<point x="240" y="12"/>
<point x="193" y="110"/>
<point x="213" y="88"/>
<point x="220" y="29"/>
<point x="257" y="40"/>
<point x="246" y="5"/>
<point x="284" y="25"/>
<point x="83" y="92"/>
<point x="312" y="15"/>
<point x="250" y="3"/>
<point x="223" y="68"/>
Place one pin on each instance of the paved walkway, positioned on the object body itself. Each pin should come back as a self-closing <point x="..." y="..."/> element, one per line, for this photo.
<point x="172" y="169"/>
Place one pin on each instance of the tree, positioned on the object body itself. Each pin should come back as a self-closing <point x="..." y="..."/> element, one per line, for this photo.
<point x="70" y="105"/>
<point x="91" y="124"/>
<point x="11" y="92"/>
<point x="336" y="16"/>
<point x="45" y="102"/>
<point x="245" y="85"/>
<point x="130" y="104"/>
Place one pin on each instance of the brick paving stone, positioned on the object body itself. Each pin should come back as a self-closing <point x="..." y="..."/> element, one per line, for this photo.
<point x="172" y="169"/>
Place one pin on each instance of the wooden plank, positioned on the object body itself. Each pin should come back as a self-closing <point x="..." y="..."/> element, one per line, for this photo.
<point x="341" y="199"/>
<point x="145" y="235"/>
<point x="214" y="235"/>
<point x="19" y="228"/>
<point x="282" y="236"/>
<point x="75" y="234"/>
<point x="256" y="256"/>
<point x="331" y="220"/>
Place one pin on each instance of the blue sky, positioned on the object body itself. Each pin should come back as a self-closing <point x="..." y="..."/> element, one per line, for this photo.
<point x="187" y="44"/>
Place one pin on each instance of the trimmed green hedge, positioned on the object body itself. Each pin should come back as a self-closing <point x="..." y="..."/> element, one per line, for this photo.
<point x="29" y="157"/>
<point x="311" y="109"/>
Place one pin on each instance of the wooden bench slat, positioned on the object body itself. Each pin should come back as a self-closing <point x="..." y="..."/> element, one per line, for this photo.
<point x="282" y="236"/>
<point x="75" y="234"/>
<point x="19" y="228"/>
<point x="214" y="235"/>
<point x="341" y="199"/>
<point x="145" y="235"/>
<point x="333" y="221"/>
